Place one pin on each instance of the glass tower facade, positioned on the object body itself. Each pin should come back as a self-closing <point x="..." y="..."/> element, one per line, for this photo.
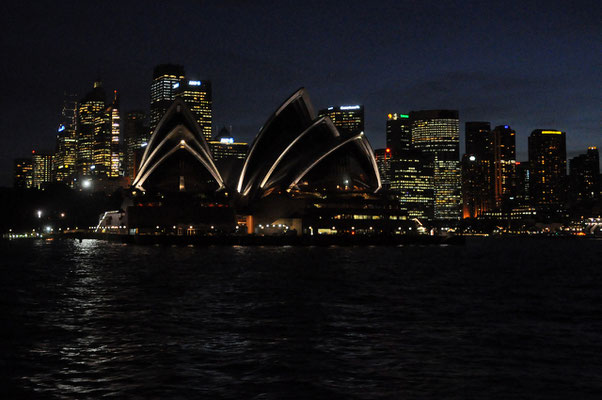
<point x="412" y="181"/>
<point x="166" y="78"/>
<point x="90" y="125"/>
<point x="197" y="96"/>
<point x="436" y="132"/>
<point x="42" y="169"/>
<point x="346" y="118"/>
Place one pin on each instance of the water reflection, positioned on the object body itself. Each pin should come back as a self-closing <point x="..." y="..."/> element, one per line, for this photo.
<point x="96" y="319"/>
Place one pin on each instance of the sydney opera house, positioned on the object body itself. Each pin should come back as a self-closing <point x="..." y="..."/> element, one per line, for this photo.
<point x="301" y="176"/>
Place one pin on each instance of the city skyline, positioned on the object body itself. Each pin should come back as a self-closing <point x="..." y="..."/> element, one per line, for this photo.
<point x="492" y="64"/>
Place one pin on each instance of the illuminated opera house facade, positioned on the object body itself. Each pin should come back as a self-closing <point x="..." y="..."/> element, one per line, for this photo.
<point x="301" y="176"/>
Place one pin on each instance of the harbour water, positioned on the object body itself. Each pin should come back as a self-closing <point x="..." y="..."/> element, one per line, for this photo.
<point x="494" y="318"/>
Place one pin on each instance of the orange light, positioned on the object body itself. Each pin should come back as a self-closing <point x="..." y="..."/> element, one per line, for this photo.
<point x="388" y="150"/>
<point x="390" y="116"/>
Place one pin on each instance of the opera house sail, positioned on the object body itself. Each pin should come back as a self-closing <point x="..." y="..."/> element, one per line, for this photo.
<point x="177" y="157"/>
<point x="294" y="143"/>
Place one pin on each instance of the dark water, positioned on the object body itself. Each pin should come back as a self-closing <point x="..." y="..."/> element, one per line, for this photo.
<point x="509" y="318"/>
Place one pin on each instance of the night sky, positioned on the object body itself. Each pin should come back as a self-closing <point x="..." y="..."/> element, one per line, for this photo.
<point x="527" y="64"/>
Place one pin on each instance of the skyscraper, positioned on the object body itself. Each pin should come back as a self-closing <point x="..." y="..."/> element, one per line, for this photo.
<point x="547" y="167"/>
<point x="504" y="160"/>
<point x="135" y="137"/>
<point x="436" y="132"/>
<point x="114" y="146"/>
<point x="63" y="166"/>
<point x="42" y="169"/>
<point x="107" y="129"/>
<point x="584" y="174"/>
<point x="197" y="96"/>
<point x="477" y="170"/>
<point x="91" y="121"/>
<point x="412" y="181"/>
<point x="476" y="186"/>
<point x="399" y="133"/>
<point x="228" y="154"/>
<point x="166" y="77"/>
<point x="224" y="146"/>
<point x="479" y="141"/>
<point x="522" y="178"/>
<point x="23" y="173"/>
<point x="383" y="161"/>
<point x="347" y="118"/>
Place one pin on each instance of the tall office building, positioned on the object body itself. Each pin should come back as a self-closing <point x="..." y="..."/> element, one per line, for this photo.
<point x="114" y="145"/>
<point x="107" y="126"/>
<point x="398" y="133"/>
<point x="412" y="181"/>
<point x="228" y="154"/>
<point x="477" y="169"/>
<point x="224" y="146"/>
<point x="479" y="140"/>
<point x="91" y="121"/>
<point x="584" y="176"/>
<point x="476" y="186"/>
<point x="349" y="119"/>
<point x="547" y="167"/>
<point x="42" y="169"/>
<point x="63" y="165"/>
<point x="504" y="160"/>
<point x="197" y="96"/>
<point x="521" y="183"/>
<point x="23" y="173"/>
<point x="135" y="138"/>
<point x="436" y="132"/>
<point x="383" y="162"/>
<point x="107" y="129"/>
<point x="166" y="77"/>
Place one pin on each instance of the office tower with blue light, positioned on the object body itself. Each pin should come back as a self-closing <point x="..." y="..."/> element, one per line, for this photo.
<point x="197" y="96"/>
<point x="63" y="166"/>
